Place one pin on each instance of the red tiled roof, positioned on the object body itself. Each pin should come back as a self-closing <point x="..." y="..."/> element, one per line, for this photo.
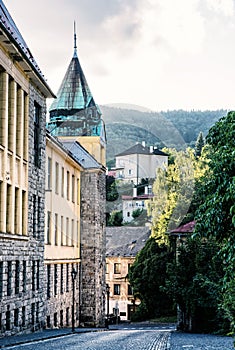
<point x="187" y="228"/>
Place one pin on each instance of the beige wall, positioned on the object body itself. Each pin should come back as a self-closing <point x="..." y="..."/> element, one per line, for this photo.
<point x="13" y="149"/>
<point x="123" y="299"/>
<point x="140" y="165"/>
<point x="63" y="204"/>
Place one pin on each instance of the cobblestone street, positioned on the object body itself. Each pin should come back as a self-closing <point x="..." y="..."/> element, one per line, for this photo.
<point x="118" y="337"/>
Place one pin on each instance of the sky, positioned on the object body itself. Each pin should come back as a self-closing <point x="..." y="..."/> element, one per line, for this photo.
<point x="158" y="54"/>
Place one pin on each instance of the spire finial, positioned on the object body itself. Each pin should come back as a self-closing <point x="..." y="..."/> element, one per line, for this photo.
<point x="75" y="39"/>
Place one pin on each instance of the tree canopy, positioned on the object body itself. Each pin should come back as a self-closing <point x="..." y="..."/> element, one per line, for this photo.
<point x="216" y="214"/>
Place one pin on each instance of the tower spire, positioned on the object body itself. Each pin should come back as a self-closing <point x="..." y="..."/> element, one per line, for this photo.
<point x="75" y="40"/>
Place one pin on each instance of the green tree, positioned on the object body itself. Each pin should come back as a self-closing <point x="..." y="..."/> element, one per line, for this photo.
<point x="136" y="213"/>
<point x="147" y="276"/>
<point x="111" y="189"/>
<point x="216" y="214"/>
<point x="195" y="284"/>
<point x="115" y="218"/>
<point x="200" y="143"/>
<point x="173" y="192"/>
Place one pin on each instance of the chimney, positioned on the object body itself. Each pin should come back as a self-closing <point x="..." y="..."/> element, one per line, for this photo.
<point x="143" y="143"/>
<point x="134" y="191"/>
<point x="146" y="190"/>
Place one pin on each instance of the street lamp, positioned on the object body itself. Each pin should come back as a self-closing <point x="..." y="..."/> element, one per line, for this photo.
<point x="108" y="293"/>
<point x="74" y="275"/>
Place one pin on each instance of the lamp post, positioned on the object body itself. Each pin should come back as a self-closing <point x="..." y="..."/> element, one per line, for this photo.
<point x="74" y="275"/>
<point x="108" y="293"/>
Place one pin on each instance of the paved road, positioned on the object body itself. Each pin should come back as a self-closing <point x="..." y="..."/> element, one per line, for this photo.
<point x="127" y="337"/>
<point x="146" y="339"/>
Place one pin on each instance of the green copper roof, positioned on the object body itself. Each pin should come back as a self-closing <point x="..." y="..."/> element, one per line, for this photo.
<point x="74" y="92"/>
<point x="74" y="112"/>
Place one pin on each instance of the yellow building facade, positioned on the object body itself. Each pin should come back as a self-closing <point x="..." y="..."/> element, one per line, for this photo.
<point x="62" y="232"/>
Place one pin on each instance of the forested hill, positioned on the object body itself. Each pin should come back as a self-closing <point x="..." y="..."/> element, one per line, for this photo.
<point x="179" y="128"/>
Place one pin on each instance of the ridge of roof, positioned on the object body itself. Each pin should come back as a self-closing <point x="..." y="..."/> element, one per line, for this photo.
<point x="81" y="154"/>
<point x="140" y="149"/>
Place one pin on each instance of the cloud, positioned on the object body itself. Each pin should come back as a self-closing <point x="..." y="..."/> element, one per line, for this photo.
<point x="225" y="7"/>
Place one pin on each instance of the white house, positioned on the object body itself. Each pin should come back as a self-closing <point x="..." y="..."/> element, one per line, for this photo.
<point x="139" y="162"/>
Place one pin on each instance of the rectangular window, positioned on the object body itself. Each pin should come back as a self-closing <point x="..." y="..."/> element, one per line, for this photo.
<point x="17" y="204"/>
<point x="24" y="212"/>
<point x="11" y="111"/>
<point x="116" y="289"/>
<point x="16" y="317"/>
<point x="8" y="208"/>
<point x="107" y="268"/>
<point x="56" y="229"/>
<point x="48" y="281"/>
<point x="57" y="178"/>
<point x="1" y="279"/>
<point x="34" y="216"/>
<point x="39" y="216"/>
<point x="67" y="316"/>
<point x="67" y="231"/>
<point x="33" y="275"/>
<point x="73" y="188"/>
<point x="37" y="312"/>
<point x="37" y="115"/>
<point x="61" y="318"/>
<point x="61" y="279"/>
<point x="38" y="275"/>
<point x="23" y="316"/>
<point x="17" y="277"/>
<point x="62" y="230"/>
<point x="62" y="182"/>
<point x="130" y="290"/>
<point x="9" y="277"/>
<point x="55" y="279"/>
<point x="68" y="185"/>
<point x="8" y="320"/>
<point x="33" y="313"/>
<point x="24" y="275"/>
<point x="48" y="236"/>
<point x="49" y="173"/>
<point x="117" y="268"/>
<point x="72" y="233"/>
<point x="67" y="277"/>
<point x="25" y="126"/>
<point x="55" y="319"/>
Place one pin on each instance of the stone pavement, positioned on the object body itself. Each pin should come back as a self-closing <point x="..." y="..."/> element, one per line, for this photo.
<point x="176" y="340"/>
<point x="45" y="334"/>
<point x="188" y="341"/>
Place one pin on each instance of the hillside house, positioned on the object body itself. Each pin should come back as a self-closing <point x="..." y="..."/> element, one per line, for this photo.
<point x="139" y="162"/>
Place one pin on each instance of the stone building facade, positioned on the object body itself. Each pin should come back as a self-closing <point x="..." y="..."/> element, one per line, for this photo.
<point x="23" y="93"/>
<point x="93" y="248"/>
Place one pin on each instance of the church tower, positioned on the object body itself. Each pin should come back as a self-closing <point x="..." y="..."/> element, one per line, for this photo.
<point x="74" y="114"/>
<point x="76" y="120"/>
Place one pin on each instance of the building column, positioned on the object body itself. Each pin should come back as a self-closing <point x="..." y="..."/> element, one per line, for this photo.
<point x="4" y="79"/>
